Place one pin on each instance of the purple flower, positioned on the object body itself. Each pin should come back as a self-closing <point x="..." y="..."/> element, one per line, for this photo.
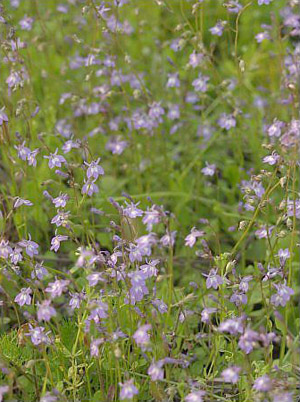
<point x="261" y="2"/>
<point x="94" y="170"/>
<point x="227" y="121"/>
<point x="55" y="242"/>
<point x="274" y="129"/>
<point x="248" y="341"/>
<point x="116" y="145"/>
<point x="39" y="271"/>
<point x="195" y="59"/>
<point x="26" y="23"/>
<point x="283" y="255"/>
<point x="94" y="348"/>
<point x="190" y="239"/>
<point x="231" y="374"/>
<point x="209" y="170"/>
<point x="55" y="160"/>
<point x="45" y="311"/>
<point x="160" y="305"/>
<point x="151" y="217"/>
<point x="141" y="336"/>
<point x="213" y="279"/>
<point x="128" y="390"/>
<point x="16" y="255"/>
<point x="293" y="208"/>
<point x="132" y="211"/>
<point x="195" y="396"/>
<point x="38" y="335"/>
<point x="60" y="201"/>
<point x="94" y="278"/>
<point x="238" y="298"/>
<point x="174" y="112"/>
<point x="168" y="239"/>
<point x="69" y="145"/>
<point x="283" y="294"/>
<point x="24" y="297"/>
<point x="233" y="6"/>
<point x="156" y="111"/>
<point x="200" y="83"/>
<point x="263" y="383"/>
<point x="3" y="390"/>
<point x="233" y="326"/>
<point x="56" y="288"/>
<point x="261" y="36"/>
<point x="244" y="284"/>
<point x="60" y="219"/>
<point x="3" y="117"/>
<point x="149" y="269"/>
<point x="31" y="247"/>
<point x="23" y="151"/>
<point x="173" y="81"/>
<point x="218" y="28"/>
<point x="205" y="314"/>
<point x="283" y="397"/>
<point x="31" y="157"/>
<point x="89" y="188"/>
<point x="5" y="249"/>
<point x="271" y="159"/>
<point x="20" y="201"/>
<point x="75" y="300"/>
<point x="155" y="371"/>
<point x="263" y="233"/>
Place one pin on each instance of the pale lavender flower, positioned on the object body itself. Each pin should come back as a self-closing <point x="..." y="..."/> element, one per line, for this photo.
<point x="155" y="371"/>
<point x="263" y="232"/>
<point x="94" y="278"/>
<point x="151" y="217"/>
<point x="16" y="255"/>
<point x="75" y="300"/>
<point x="239" y="298"/>
<point x="26" y="23"/>
<point x="271" y="159"/>
<point x="283" y="255"/>
<point x="195" y="59"/>
<point x="283" y="397"/>
<point x="94" y="170"/>
<point x="275" y="128"/>
<point x="231" y="374"/>
<point x="190" y="239"/>
<point x="156" y="111"/>
<point x="49" y="397"/>
<point x="69" y="145"/>
<point x="31" y="247"/>
<point x="60" y="201"/>
<point x="233" y="6"/>
<point x="168" y="239"/>
<point x="160" y="305"/>
<point x="23" y="151"/>
<point x="149" y="269"/>
<point x="116" y="145"/>
<point x="56" y="288"/>
<point x="128" y="390"/>
<point x="45" y="311"/>
<point x="248" y="341"/>
<point x="233" y="326"/>
<point x="173" y="81"/>
<point x="61" y="218"/>
<point x="261" y="2"/>
<point x="218" y="28"/>
<point x="261" y="36"/>
<point x="5" y="249"/>
<point x="283" y="294"/>
<point x="205" y="314"/>
<point x="132" y="211"/>
<point x="293" y="208"/>
<point x="100" y="312"/>
<point x="195" y="396"/>
<point x="3" y="390"/>
<point x="200" y="83"/>
<point x="263" y="383"/>
<point x="227" y="121"/>
<point x="24" y="297"/>
<point x="209" y="170"/>
<point x="94" y="348"/>
<point x="89" y="188"/>
<point x="213" y="279"/>
<point x="31" y="157"/>
<point x="55" y="160"/>
<point x="244" y="284"/>
<point x="141" y="336"/>
<point x="38" y="335"/>
<point x="4" y="118"/>
<point x="174" y="112"/>
<point x="39" y="272"/>
<point x="56" y="240"/>
<point x="20" y="201"/>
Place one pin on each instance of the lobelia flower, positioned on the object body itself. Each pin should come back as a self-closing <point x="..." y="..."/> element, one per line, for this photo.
<point x="283" y="397"/>
<point x="128" y="390"/>
<point x="132" y="211"/>
<point x="293" y="208"/>
<point x="55" y="160"/>
<point x="16" y="255"/>
<point x="271" y="159"/>
<point x="76" y="299"/>
<point x="94" y="278"/>
<point x="94" y="348"/>
<point x="263" y="383"/>
<point x="195" y="396"/>
<point x="39" y="271"/>
<point x="213" y="279"/>
<point x="261" y="36"/>
<point x="173" y="81"/>
<point x="200" y="83"/>
<point x="49" y="397"/>
<point x="31" y="247"/>
<point x="116" y="145"/>
<point x="89" y="188"/>
<point x="168" y="239"/>
<point x="55" y="242"/>
<point x="239" y="298"/>
<point x="69" y="145"/>
<point x="60" y="201"/>
<point x="31" y="157"/>
<point x="155" y="371"/>
<point x="283" y="294"/>
<point x="218" y="28"/>
<point x="195" y="59"/>
<point x="149" y="269"/>
<point x="205" y="314"/>
<point x="100" y="312"/>
<point x="141" y="336"/>
<point x="233" y="6"/>
<point x="5" y="249"/>
<point x="261" y="2"/>
<point x="231" y="374"/>
<point x="23" y="151"/>
<point x="275" y="128"/>
<point x="56" y="288"/>
<point x="174" y="112"/>
<point x="156" y="111"/>
<point x="248" y="341"/>
<point x="244" y="284"/>
<point x="209" y="170"/>
<point x="38" y="335"/>
<point x="4" y="389"/>
<point x="45" y="311"/>
<point x="233" y="326"/>
<point x="24" y="297"/>
<point x="94" y="170"/>
<point x="283" y="255"/>
<point x="190" y="239"/>
<point x="3" y="118"/>
<point x="226" y="121"/>
<point x="61" y="218"/>
<point x="263" y="233"/>
<point x="26" y="23"/>
<point x="20" y="201"/>
<point x="151" y="217"/>
<point x="160" y="305"/>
